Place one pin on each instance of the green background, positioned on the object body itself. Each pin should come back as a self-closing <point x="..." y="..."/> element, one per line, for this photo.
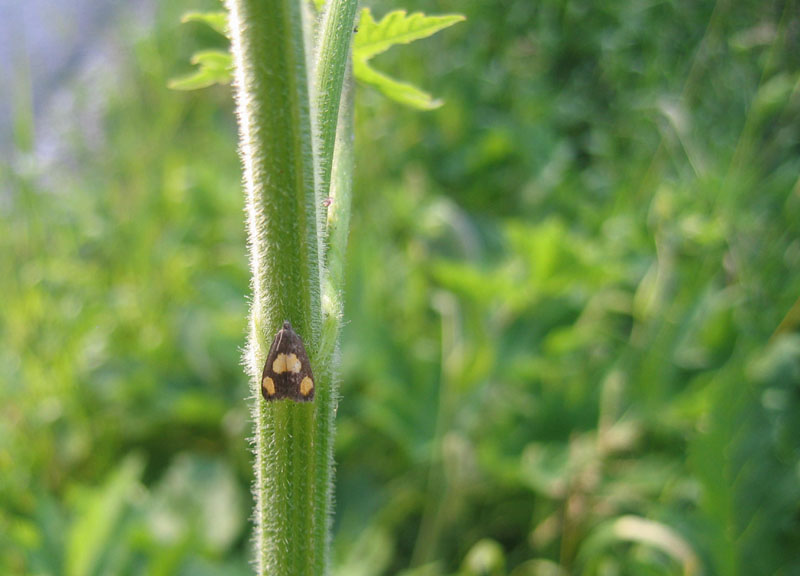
<point x="571" y="332"/>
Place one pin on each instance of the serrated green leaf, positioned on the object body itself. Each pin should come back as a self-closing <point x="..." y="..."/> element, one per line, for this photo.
<point x="402" y="92"/>
<point x="396" y="27"/>
<point x="373" y="38"/>
<point x="215" y="67"/>
<point x="217" y="20"/>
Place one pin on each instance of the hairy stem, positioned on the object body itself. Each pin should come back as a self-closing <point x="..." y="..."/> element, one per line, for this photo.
<point x="276" y="148"/>
<point x="287" y="175"/>
<point x="338" y="222"/>
<point x="333" y="53"/>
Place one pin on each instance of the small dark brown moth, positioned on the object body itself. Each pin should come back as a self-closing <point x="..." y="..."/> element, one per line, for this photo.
<point x="287" y="372"/>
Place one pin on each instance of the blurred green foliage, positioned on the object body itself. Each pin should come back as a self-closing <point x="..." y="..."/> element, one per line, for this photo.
<point x="561" y="352"/>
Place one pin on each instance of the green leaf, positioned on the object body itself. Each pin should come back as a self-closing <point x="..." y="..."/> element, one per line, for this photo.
<point x="215" y="67"/>
<point x="101" y="514"/>
<point x="485" y="558"/>
<point x="211" y="515"/>
<point x="216" y="20"/>
<point x="402" y="92"/>
<point x="647" y="533"/>
<point x="397" y="27"/>
<point x="373" y="38"/>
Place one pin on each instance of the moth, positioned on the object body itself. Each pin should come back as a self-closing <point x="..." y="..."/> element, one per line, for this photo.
<point x="287" y="372"/>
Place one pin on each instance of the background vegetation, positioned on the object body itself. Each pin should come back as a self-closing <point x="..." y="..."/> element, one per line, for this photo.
<point x="569" y="343"/>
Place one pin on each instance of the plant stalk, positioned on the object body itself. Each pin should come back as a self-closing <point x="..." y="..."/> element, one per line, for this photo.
<point x="277" y="154"/>
<point x="289" y="133"/>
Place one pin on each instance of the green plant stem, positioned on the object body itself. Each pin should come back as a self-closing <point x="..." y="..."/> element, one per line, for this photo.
<point x="338" y="220"/>
<point x="287" y="175"/>
<point x="338" y="223"/>
<point x="277" y="153"/>
<point x="333" y="53"/>
<point x="333" y="98"/>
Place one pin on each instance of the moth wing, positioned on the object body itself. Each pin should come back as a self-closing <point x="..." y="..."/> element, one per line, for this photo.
<point x="304" y="382"/>
<point x="269" y="386"/>
<point x="287" y="371"/>
<point x="300" y="380"/>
